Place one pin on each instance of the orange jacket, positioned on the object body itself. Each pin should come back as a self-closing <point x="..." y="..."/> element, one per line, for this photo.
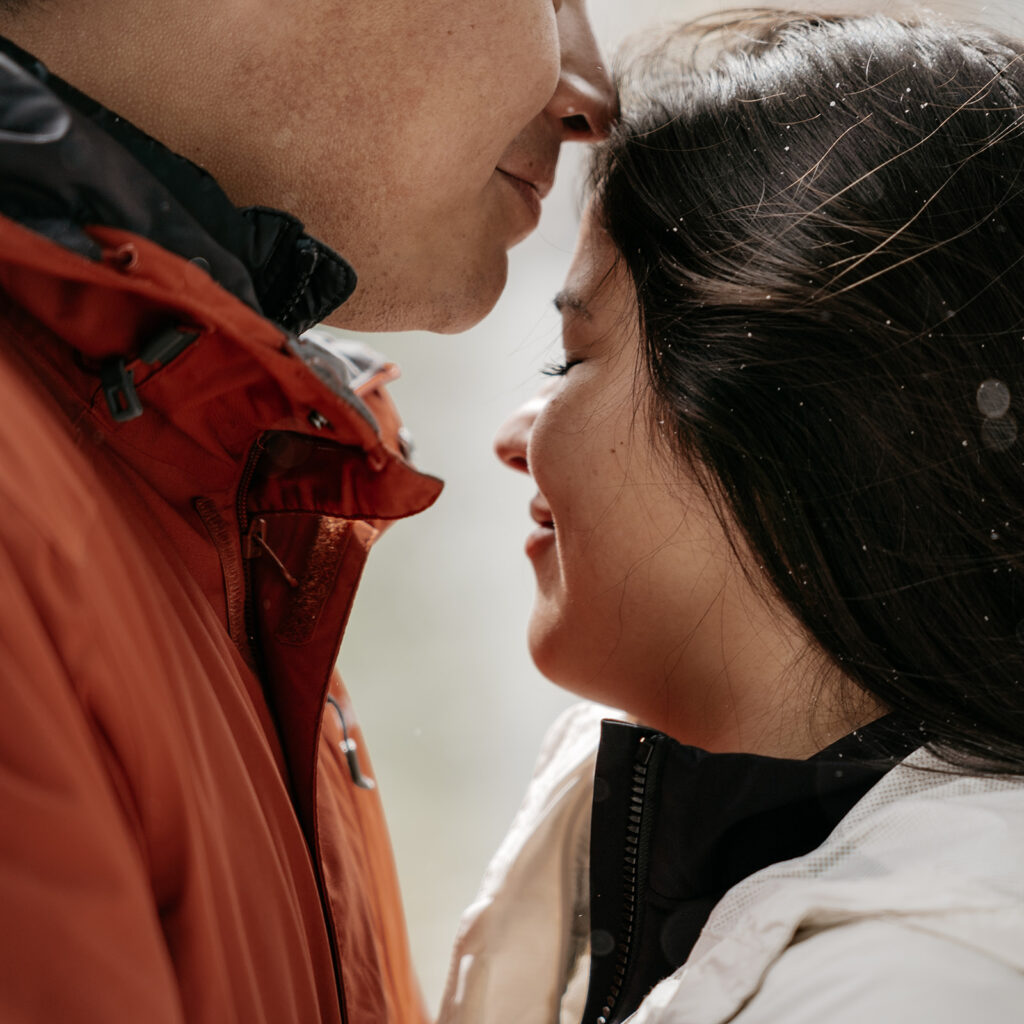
<point x="183" y="837"/>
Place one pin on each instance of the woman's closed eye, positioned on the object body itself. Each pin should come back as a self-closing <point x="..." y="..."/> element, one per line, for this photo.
<point x="560" y="369"/>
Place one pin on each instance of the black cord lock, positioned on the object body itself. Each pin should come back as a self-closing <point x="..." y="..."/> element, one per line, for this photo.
<point x="118" y="381"/>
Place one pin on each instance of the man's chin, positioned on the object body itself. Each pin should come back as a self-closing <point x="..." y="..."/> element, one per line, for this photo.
<point x="442" y="309"/>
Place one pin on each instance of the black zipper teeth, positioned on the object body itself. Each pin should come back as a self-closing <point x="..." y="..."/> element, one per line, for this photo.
<point x="631" y="875"/>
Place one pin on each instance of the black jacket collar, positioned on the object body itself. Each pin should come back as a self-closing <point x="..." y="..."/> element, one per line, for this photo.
<point x="674" y="828"/>
<point x="67" y="161"/>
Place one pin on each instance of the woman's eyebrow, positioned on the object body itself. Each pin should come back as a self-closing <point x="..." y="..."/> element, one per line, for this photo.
<point x="568" y="300"/>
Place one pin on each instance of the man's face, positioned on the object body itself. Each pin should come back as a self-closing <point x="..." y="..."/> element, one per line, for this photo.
<point x="416" y="137"/>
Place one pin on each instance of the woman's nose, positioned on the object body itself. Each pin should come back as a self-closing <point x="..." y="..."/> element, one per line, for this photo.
<point x="585" y="100"/>
<point x="513" y="437"/>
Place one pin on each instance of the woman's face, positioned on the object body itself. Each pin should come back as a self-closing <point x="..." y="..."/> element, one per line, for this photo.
<point x="641" y="602"/>
<point x="632" y="566"/>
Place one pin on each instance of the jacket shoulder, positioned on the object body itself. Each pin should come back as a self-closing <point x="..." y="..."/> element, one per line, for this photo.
<point x="45" y="481"/>
<point x="886" y="972"/>
<point x="927" y="863"/>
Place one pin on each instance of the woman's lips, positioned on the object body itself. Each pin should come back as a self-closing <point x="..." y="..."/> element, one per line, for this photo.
<point x="543" y="536"/>
<point x="539" y="540"/>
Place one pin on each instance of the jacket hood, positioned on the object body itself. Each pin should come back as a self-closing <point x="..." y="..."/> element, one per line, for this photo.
<point x="66" y="161"/>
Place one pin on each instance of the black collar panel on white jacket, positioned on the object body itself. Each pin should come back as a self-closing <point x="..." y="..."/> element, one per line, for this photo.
<point x="675" y="827"/>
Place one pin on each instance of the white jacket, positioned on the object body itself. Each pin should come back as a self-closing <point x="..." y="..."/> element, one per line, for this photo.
<point x="912" y="910"/>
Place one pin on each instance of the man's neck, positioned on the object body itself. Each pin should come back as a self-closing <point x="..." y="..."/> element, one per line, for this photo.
<point x="88" y="166"/>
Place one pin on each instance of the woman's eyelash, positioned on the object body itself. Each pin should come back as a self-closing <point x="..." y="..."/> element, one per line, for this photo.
<point x="559" y="369"/>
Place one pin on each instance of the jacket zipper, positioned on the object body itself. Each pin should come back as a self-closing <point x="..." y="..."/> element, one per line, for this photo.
<point x="245" y="529"/>
<point x="241" y="508"/>
<point x="638" y="829"/>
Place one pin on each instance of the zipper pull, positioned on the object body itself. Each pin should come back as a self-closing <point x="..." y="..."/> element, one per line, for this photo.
<point x="350" y="749"/>
<point x="256" y="544"/>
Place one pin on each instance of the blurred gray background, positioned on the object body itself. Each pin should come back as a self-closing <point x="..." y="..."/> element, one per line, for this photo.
<point x="435" y="654"/>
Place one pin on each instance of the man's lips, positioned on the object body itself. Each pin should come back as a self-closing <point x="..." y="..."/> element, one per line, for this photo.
<point x="541" y="182"/>
<point x="529" y="196"/>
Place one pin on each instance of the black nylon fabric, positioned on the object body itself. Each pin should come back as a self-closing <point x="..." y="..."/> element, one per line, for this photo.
<point x="67" y="161"/>
<point x="674" y="828"/>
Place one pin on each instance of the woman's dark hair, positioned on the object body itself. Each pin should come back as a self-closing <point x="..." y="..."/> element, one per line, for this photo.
<point x="825" y="229"/>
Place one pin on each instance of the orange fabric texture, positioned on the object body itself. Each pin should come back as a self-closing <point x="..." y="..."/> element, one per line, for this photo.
<point x="183" y="839"/>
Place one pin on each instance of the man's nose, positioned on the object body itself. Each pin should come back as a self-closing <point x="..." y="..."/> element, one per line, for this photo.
<point x="513" y="438"/>
<point x="585" y="100"/>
